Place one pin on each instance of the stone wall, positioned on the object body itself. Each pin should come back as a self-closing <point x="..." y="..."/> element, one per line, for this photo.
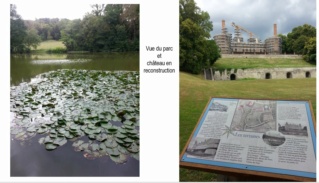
<point x="271" y="73"/>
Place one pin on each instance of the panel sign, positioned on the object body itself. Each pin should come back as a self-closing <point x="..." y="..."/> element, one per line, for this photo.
<point x="261" y="135"/>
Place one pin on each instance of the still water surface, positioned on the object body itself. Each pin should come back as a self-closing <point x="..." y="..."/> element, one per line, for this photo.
<point x="24" y="67"/>
<point x="32" y="159"/>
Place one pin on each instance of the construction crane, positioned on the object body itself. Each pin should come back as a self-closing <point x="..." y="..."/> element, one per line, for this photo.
<point x="238" y="28"/>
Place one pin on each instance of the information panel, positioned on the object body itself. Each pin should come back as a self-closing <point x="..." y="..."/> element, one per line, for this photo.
<point x="262" y="135"/>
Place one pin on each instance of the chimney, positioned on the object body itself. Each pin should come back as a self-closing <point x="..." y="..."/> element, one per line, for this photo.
<point x="223" y="24"/>
<point x="275" y="29"/>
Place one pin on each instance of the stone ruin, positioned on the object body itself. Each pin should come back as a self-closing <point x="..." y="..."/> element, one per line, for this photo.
<point x="270" y="73"/>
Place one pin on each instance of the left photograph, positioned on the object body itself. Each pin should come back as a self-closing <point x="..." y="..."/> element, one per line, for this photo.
<point x="74" y="95"/>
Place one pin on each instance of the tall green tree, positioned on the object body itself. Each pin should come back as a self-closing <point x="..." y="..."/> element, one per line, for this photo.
<point x="17" y="31"/>
<point x="297" y="38"/>
<point x="21" y="38"/>
<point x="195" y="27"/>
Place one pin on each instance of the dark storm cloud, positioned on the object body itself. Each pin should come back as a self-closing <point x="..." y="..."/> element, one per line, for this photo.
<point x="258" y="16"/>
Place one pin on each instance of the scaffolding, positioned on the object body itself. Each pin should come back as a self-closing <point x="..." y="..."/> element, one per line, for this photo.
<point x="236" y="45"/>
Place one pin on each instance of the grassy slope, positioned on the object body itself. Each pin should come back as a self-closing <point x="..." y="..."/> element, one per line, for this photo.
<point x="50" y="44"/>
<point x="245" y="63"/>
<point x="196" y="92"/>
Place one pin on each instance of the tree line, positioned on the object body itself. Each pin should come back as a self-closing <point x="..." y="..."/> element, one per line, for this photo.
<point x="301" y="40"/>
<point x="112" y="27"/>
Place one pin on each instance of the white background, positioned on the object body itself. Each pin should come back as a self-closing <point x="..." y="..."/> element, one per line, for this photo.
<point x="159" y="94"/>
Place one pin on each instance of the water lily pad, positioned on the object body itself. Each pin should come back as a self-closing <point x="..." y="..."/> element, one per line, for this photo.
<point x="16" y="130"/>
<point x="50" y="146"/>
<point x="133" y="148"/>
<point x="70" y="104"/>
<point x="77" y="143"/>
<point x="101" y="137"/>
<point x="136" y="156"/>
<point x="41" y="140"/>
<point x="119" y="159"/>
<point x="120" y="135"/>
<point x="84" y="146"/>
<point x="92" y="137"/>
<point x="60" y="141"/>
<point x="110" y="143"/>
<point x="94" y="147"/>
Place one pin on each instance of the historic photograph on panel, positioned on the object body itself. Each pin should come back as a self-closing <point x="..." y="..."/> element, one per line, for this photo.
<point x="203" y="147"/>
<point x="218" y="107"/>
<point x="74" y="99"/>
<point x="290" y="128"/>
<point x="273" y="138"/>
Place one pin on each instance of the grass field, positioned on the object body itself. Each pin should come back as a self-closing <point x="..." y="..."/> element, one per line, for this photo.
<point x="49" y="45"/>
<point x="196" y="92"/>
<point x="246" y="63"/>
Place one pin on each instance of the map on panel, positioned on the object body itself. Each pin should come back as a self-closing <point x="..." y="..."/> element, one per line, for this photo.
<point x="254" y="116"/>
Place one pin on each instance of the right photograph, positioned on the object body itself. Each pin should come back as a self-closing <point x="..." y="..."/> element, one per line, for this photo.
<point x="247" y="90"/>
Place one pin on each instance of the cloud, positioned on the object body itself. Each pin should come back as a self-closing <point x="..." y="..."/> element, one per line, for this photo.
<point x="258" y="16"/>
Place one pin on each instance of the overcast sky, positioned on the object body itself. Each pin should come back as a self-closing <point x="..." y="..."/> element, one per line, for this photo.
<point x="258" y="16"/>
<point x="31" y="11"/>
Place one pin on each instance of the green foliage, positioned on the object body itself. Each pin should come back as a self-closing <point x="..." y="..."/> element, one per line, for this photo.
<point x="17" y="31"/>
<point x="285" y="47"/>
<point x="112" y="128"/>
<point x="310" y="46"/>
<point x="196" y="51"/>
<point x="301" y="40"/>
<point x="110" y="28"/>
<point x="21" y="39"/>
<point x="296" y="40"/>
<point x="57" y="50"/>
<point x="32" y="39"/>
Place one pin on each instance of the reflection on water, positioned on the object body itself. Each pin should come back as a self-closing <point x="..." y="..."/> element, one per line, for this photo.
<point x="25" y="67"/>
<point x="64" y="61"/>
<point x="31" y="159"/>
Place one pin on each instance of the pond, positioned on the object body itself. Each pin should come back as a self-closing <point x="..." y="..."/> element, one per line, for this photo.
<point x="78" y="117"/>
<point x="24" y="67"/>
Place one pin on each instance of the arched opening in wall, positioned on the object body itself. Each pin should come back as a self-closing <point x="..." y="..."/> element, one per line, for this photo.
<point x="233" y="77"/>
<point x="289" y="75"/>
<point x="308" y="75"/>
<point x="268" y="75"/>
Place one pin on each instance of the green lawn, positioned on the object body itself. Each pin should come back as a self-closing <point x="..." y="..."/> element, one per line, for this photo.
<point x="49" y="45"/>
<point x="246" y="63"/>
<point x="195" y="92"/>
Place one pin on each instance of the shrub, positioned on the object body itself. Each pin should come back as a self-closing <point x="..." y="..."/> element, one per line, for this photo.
<point x="57" y="50"/>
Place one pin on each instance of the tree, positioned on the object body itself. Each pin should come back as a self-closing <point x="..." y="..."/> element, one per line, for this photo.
<point x="310" y="49"/>
<point x="97" y="9"/>
<point x="17" y="31"/>
<point x="196" y="51"/>
<point x="21" y="37"/>
<point x="298" y="37"/>
<point x="286" y="48"/>
<point x="32" y="39"/>
<point x="212" y="51"/>
<point x="114" y="27"/>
